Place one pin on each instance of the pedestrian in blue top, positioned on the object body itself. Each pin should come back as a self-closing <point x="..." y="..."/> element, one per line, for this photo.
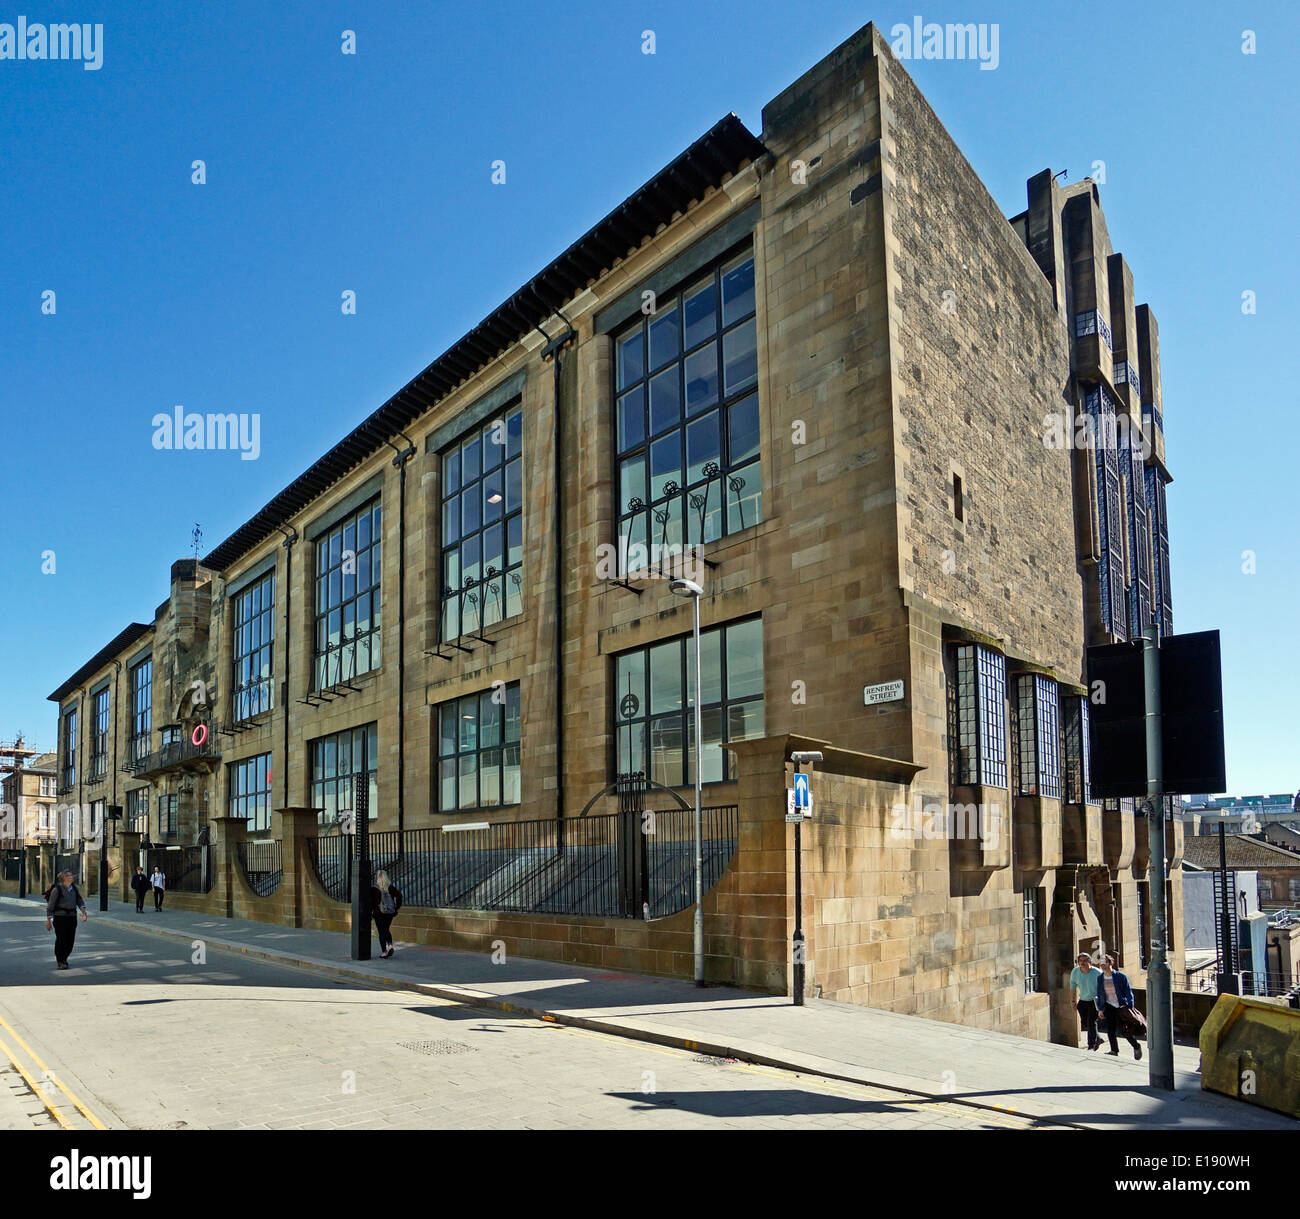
<point x="1117" y="1009"/>
<point x="1084" y="981"/>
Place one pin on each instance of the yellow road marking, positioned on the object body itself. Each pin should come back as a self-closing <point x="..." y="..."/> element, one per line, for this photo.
<point x="37" y="1091"/>
<point x="53" y="1076"/>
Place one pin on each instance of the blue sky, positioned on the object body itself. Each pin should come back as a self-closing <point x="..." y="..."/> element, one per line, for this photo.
<point x="371" y="173"/>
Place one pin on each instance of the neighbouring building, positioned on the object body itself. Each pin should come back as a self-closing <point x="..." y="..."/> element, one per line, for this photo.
<point x="818" y="370"/>
<point x="1241" y="814"/>
<point x="1277" y="867"/>
<point x="28" y="796"/>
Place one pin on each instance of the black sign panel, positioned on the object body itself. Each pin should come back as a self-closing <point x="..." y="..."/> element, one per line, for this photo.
<point x="1191" y="704"/>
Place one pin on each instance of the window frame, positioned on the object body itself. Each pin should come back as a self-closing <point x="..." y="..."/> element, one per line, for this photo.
<point x="251" y="803"/>
<point x="502" y="744"/>
<point x="327" y="671"/>
<point x="636" y="519"/>
<point x="101" y="720"/>
<point x="135" y="799"/>
<point x="505" y="583"/>
<point x="1038" y="735"/>
<point x="345" y="780"/>
<point x="69" y="769"/>
<point x="252" y="649"/>
<point x="978" y="722"/>
<point x="1076" y="744"/>
<point x="651" y="721"/>
<point x="1029" y="911"/>
<point x="141" y="693"/>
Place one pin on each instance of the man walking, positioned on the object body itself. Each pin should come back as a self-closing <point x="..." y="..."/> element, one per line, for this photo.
<point x="61" y="909"/>
<point x="158" y="882"/>
<point x="140" y="884"/>
<point x="1083" y="988"/>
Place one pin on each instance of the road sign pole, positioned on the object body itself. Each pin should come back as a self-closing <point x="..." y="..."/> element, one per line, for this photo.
<point x="1160" y="1015"/>
<point x="798" y="914"/>
<point x="361" y="868"/>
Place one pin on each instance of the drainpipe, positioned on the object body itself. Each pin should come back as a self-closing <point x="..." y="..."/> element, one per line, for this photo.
<point x="552" y="352"/>
<point x="290" y="537"/>
<point x="399" y="462"/>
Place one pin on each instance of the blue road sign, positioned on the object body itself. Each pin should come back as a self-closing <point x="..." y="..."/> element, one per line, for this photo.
<point x="802" y="795"/>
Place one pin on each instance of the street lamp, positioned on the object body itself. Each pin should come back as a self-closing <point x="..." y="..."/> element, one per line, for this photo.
<point x="688" y="588"/>
<point x="799" y="757"/>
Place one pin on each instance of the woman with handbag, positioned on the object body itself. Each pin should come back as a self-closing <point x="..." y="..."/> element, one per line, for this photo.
<point x="1117" y="1007"/>
<point x="385" y="902"/>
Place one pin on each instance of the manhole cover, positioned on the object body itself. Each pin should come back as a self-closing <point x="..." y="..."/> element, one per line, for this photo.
<point x="437" y="1047"/>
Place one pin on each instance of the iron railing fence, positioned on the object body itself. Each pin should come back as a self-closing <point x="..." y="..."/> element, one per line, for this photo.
<point x="12" y="864"/>
<point x="614" y="865"/>
<point x="263" y="864"/>
<point x="188" y="869"/>
<point x="1252" y="983"/>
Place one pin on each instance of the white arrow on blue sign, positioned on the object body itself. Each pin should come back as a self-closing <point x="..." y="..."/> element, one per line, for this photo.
<point x="802" y="794"/>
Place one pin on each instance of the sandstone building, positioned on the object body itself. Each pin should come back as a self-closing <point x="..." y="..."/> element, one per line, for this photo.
<point x="822" y="357"/>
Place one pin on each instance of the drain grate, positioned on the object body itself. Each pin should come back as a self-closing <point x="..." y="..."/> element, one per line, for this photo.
<point x="437" y="1047"/>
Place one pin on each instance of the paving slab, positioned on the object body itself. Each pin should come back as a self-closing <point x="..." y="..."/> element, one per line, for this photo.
<point x="958" y="1064"/>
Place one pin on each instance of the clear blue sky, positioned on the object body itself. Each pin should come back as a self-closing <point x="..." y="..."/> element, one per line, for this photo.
<point x="329" y="172"/>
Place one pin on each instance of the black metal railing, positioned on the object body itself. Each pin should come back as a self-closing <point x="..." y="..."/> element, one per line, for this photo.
<point x="263" y="864"/>
<point x="175" y="752"/>
<point x="615" y="865"/>
<point x="188" y="869"/>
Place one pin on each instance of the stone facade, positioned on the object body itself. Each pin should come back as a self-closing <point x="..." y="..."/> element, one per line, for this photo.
<point x="911" y="345"/>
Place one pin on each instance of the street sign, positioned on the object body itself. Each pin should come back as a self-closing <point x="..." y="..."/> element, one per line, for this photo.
<point x="802" y="792"/>
<point x="793" y="813"/>
<point x="885" y="692"/>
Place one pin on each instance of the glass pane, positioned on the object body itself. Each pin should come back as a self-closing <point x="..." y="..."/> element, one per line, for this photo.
<point x="510" y="775"/>
<point x="744" y="497"/>
<point x="742" y="439"/>
<point x="514" y="485"/>
<point x="447" y="798"/>
<point x="712" y="726"/>
<point x="664" y="343"/>
<point x="493" y="552"/>
<point x="514" y="594"/>
<point x="631" y="358"/>
<point x="512" y="713"/>
<point x="702" y="446"/>
<point x="700" y="314"/>
<point x="666" y="677"/>
<point x="632" y="540"/>
<point x="469" y="460"/>
<point x="737" y="291"/>
<point x="467" y="709"/>
<point x="471" y="516"/>
<point x="702" y="379"/>
<point x="745" y="720"/>
<point x="490" y="778"/>
<point x="489" y="720"/>
<point x="666" y="751"/>
<point x="494" y="495"/>
<point x="468" y="780"/>
<point x="740" y="357"/>
<point x="710" y="666"/>
<point x="745" y="659"/>
<point x="631" y="419"/>
<point x="450" y="474"/>
<point x="515" y="533"/>
<point x="631" y="483"/>
<point x="514" y="434"/>
<point x="665" y="463"/>
<point x="665" y="400"/>
<point x="470" y="550"/>
<point x="447" y="729"/>
<point x="630" y="679"/>
<point x="494" y="444"/>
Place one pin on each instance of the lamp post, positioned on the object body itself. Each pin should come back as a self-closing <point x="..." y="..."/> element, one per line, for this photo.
<point x="688" y="588"/>
<point x="799" y="757"/>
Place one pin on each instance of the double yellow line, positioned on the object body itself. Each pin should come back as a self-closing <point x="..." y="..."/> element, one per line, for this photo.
<point x="50" y="1077"/>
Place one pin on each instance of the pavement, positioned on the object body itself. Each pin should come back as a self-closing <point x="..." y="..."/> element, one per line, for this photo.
<point x="958" y="1066"/>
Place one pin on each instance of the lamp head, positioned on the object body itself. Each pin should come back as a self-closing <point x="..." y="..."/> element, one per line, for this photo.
<point x="685" y="588"/>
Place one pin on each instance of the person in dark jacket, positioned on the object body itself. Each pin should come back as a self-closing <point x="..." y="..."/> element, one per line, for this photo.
<point x="1116" y="1007"/>
<point x="385" y="902"/>
<point x="140" y="883"/>
<point x="61" y="909"/>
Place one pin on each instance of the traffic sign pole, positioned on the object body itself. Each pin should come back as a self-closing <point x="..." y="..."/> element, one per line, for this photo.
<point x="1160" y="1014"/>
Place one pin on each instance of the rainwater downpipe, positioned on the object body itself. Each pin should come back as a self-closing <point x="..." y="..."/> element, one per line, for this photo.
<point x="399" y="462"/>
<point x="290" y="537"/>
<point x="552" y="352"/>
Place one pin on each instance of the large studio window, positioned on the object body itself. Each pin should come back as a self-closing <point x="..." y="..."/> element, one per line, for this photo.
<point x="483" y="527"/>
<point x="254" y="642"/>
<point x="654" y="703"/>
<point x="141" y="708"/>
<point x="99" y="735"/>
<point x="1038" y="736"/>
<point x="348" y="562"/>
<point x="478" y="750"/>
<point x="336" y="761"/>
<point x="69" y="775"/>
<point x="977" y="717"/>
<point x="250" y="791"/>
<point x="1074" y="714"/>
<point x="686" y="417"/>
